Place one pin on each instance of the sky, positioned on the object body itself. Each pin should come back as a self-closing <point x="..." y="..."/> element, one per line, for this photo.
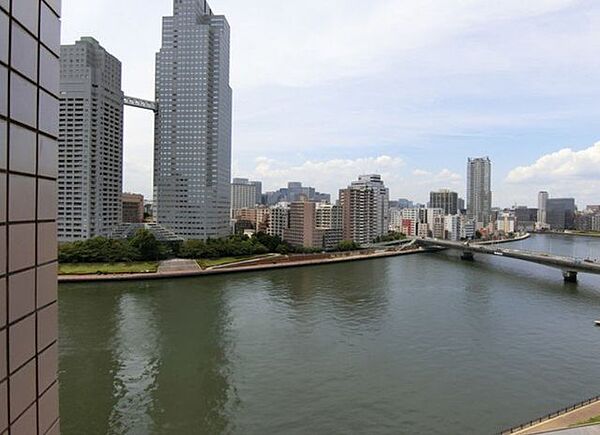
<point x="327" y="90"/>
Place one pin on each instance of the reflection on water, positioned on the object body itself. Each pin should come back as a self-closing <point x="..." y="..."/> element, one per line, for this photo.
<point x="417" y="344"/>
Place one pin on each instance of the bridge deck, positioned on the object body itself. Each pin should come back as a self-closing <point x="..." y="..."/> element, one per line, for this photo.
<point x="567" y="264"/>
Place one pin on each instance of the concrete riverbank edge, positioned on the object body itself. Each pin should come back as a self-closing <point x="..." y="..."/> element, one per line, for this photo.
<point x="233" y="269"/>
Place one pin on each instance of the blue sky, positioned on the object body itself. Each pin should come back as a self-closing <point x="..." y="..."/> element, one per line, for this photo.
<point x="324" y="91"/>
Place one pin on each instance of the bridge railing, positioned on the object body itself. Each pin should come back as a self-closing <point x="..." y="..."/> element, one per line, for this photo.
<point x="550" y="416"/>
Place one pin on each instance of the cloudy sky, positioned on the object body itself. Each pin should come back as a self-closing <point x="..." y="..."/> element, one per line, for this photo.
<point x="326" y="90"/>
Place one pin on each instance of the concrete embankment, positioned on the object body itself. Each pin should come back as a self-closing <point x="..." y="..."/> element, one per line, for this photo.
<point x="262" y="264"/>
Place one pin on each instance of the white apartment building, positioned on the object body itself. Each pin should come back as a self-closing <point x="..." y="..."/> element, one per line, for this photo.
<point x="279" y="220"/>
<point x="452" y="224"/>
<point x="382" y="200"/>
<point x="90" y="144"/>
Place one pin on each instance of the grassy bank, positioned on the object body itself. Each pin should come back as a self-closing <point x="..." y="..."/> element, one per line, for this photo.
<point x="106" y="268"/>
<point x="595" y="420"/>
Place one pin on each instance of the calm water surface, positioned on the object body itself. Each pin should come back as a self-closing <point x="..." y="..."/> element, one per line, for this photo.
<point x="422" y="344"/>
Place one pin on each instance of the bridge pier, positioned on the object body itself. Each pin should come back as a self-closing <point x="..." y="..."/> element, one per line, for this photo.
<point x="467" y="256"/>
<point x="570" y="276"/>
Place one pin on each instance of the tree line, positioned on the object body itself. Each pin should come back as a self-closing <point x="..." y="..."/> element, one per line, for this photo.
<point x="144" y="246"/>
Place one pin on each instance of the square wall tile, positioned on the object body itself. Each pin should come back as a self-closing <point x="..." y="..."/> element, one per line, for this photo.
<point x="47" y="245"/>
<point x="24" y="108"/>
<point x="2" y="250"/>
<point x="47" y="367"/>
<point x="3" y="90"/>
<point x="21" y="343"/>
<point x="2" y="198"/>
<point x="48" y="114"/>
<point x="3" y="405"/>
<point x="21" y="198"/>
<point x="26" y="424"/>
<point x="49" y="71"/>
<point x="48" y="157"/>
<point x="3" y="368"/>
<point x="55" y="5"/>
<point x="55" y="429"/>
<point x="24" y="52"/>
<point x="50" y="29"/>
<point x="3" y="143"/>
<point x="3" y="310"/>
<point x="47" y="284"/>
<point x="21" y="246"/>
<point x="4" y="29"/>
<point x="47" y="199"/>
<point x="27" y="12"/>
<point x="22" y="390"/>
<point x="47" y="326"/>
<point x="22" y="149"/>
<point x="48" y="408"/>
<point x="21" y="295"/>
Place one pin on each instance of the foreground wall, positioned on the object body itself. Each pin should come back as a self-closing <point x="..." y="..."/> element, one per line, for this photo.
<point x="29" y="72"/>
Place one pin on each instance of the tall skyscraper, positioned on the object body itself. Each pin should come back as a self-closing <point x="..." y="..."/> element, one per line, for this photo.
<point x="542" y="217"/>
<point x="446" y="200"/>
<point x="90" y="146"/>
<point x="29" y="92"/>
<point x="479" y="190"/>
<point x="192" y="156"/>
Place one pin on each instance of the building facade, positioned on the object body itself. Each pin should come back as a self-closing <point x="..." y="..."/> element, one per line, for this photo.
<point x="279" y="219"/>
<point x="479" y="190"/>
<point x="359" y="214"/>
<point x="133" y="208"/>
<point x="382" y="200"/>
<point x="192" y="156"/>
<point x="542" y="215"/>
<point x="561" y="213"/>
<point x="302" y="230"/>
<point x="90" y="145"/>
<point x="446" y="200"/>
<point x="29" y="106"/>
<point x="244" y="193"/>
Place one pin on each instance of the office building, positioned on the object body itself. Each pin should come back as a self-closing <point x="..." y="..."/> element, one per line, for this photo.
<point x="506" y="222"/>
<point x="479" y="190"/>
<point x="560" y="213"/>
<point x="192" y="156"/>
<point x="295" y="191"/>
<point x="542" y="216"/>
<point x="29" y="106"/>
<point x="435" y="222"/>
<point x="255" y="219"/>
<point x="244" y="193"/>
<point x="133" y="208"/>
<point x="446" y="200"/>
<point x="258" y="187"/>
<point x="90" y="144"/>
<point x="526" y="218"/>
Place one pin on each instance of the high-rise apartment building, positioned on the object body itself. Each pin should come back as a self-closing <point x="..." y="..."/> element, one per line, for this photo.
<point x="302" y="230"/>
<point x="90" y="145"/>
<point x="479" y="190"/>
<point x="29" y="101"/>
<point x="244" y="193"/>
<point x="360" y="217"/>
<point x="446" y="200"/>
<point x="542" y="216"/>
<point x="279" y="219"/>
<point x="192" y="156"/>
<point x="382" y="200"/>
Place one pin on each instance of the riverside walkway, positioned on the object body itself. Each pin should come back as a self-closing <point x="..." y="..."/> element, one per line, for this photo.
<point x="570" y="266"/>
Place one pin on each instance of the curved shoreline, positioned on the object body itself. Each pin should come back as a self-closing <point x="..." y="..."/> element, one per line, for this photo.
<point x="233" y="269"/>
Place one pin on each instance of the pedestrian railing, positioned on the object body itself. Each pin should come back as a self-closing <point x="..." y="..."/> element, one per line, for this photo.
<point x="551" y="416"/>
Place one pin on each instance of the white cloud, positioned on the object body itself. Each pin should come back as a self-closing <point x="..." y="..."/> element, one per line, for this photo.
<point x="567" y="172"/>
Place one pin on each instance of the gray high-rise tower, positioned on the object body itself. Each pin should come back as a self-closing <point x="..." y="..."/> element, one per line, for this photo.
<point x="192" y="156"/>
<point x="479" y="190"/>
<point x="90" y="147"/>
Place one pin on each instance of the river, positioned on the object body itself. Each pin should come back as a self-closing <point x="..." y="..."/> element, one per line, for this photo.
<point x="422" y="344"/>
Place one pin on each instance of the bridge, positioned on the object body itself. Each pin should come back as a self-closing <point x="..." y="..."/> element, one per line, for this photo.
<point x="570" y="266"/>
<point x="140" y="104"/>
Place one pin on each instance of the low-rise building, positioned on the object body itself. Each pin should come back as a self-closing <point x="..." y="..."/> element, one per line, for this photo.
<point x="133" y="207"/>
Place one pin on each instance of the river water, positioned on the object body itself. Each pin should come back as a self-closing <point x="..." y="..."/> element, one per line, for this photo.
<point x="422" y="344"/>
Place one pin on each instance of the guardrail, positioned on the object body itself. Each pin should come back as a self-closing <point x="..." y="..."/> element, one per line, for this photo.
<point x="550" y="416"/>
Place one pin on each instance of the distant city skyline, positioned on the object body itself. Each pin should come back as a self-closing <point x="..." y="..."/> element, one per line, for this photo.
<point x="328" y="117"/>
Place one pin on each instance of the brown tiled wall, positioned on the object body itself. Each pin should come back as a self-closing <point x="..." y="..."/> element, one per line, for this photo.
<point x="29" y="72"/>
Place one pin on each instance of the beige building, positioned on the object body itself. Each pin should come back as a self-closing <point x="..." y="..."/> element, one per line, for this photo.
<point x="258" y="217"/>
<point x="29" y="104"/>
<point x="302" y="229"/>
<point x="133" y="208"/>
<point x="359" y="214"/>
